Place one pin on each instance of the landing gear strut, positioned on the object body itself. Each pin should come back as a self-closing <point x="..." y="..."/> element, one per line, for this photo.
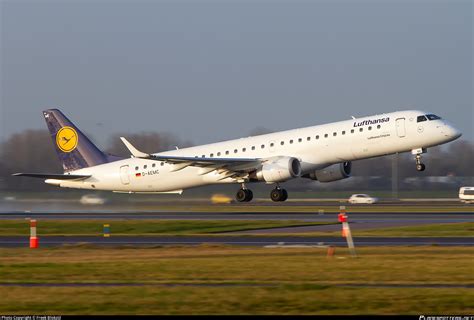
<point x="419" y="166"/>
<point x="278" y="194"/>
<point x="244" y="194"/>
<point x="417" y="153"/>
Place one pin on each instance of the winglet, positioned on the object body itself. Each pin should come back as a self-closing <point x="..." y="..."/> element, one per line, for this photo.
<point x="136" y="153"/>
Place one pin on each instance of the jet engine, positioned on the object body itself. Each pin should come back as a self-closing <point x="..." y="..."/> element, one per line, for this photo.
<point x="278" y="170"/>
<point x="334" y="172"/>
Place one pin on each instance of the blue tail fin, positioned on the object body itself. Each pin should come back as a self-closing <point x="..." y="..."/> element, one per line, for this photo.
<point x="75" y="150"/>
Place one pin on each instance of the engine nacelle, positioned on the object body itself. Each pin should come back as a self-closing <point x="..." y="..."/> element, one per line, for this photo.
<point x="278" y="170"/>
<point x="332" y="173"/>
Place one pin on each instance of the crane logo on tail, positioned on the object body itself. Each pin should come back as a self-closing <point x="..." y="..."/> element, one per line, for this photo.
<point x="66" y="139"/>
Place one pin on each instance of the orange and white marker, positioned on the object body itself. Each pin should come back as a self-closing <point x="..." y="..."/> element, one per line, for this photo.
<point x="33" y="237"/>
<point x="346" y="230"/>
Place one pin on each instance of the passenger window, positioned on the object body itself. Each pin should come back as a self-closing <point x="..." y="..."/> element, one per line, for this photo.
<point x="334" y="134"/>
<point x="211" y="155"/>
<point x="352" y="130"/>
<point x="325" y="135"/>
<point x="253" y="147"/>
<point x="361" y="129"/>
<point x="144" y="167"/>
<point x="162" y="163"/>
<point x="218" y="154"/>
<point x="378" y="126"/>
<point x="244" y="149"/>
<point x="203" y="156"/>
<point x="262" y="146"/>
<point x="299" y="140"/>
<point x="227" y="152"/>
<point x="272" y="144"/>
<point x="343" y="132"/>
<point x="370" y="128"/>
<point x="291" y="141"/>
<point x="308" y="138"/>
<point x="420" y="119"/>
<point x="235" y="150"/>
<point x="282" y="142"/>
<point x="317" y="137"/>
<point x="136" y="168"/>
<point x="153" y="165"/>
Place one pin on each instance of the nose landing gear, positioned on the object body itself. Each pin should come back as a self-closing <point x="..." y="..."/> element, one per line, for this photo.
<point x="417" y="152"/>
<point x="419" y="166"/>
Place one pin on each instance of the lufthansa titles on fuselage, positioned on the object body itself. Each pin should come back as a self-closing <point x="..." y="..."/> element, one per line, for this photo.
<point x="368" y="122"/>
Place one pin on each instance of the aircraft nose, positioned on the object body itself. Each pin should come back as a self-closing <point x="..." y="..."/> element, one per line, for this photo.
<point x="453" y="132"/>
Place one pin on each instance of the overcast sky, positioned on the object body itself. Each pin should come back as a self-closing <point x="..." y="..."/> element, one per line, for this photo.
<point x="213" y="70"/>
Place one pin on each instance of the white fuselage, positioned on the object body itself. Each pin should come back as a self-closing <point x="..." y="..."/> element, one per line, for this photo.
<point x="315" y="147"/>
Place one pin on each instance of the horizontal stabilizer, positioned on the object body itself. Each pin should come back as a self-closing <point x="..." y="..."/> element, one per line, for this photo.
<point x="52" y="176"/>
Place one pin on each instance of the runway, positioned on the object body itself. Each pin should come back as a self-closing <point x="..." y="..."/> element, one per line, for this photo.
<point x="51" y="241"/>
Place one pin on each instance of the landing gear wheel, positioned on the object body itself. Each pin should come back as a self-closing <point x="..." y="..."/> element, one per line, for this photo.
<point x="249" y="195"/>
<point x="420" y="167"/>
<point x="278" y="194"/>
<point x="244" y="195"/>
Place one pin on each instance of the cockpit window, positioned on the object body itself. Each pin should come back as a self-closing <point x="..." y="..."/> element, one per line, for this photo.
<point x="421" y="119"/>
<point x="433" y="117"/>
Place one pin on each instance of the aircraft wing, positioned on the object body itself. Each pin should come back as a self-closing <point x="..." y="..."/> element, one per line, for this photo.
<point x="228" y="167"/>
<point x="52" y="176"/>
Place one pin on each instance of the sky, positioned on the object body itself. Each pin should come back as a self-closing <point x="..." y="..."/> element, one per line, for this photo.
<point x="214" y="70"/>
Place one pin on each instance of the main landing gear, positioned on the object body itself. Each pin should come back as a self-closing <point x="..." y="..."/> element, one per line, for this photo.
<point x="244" y="195"/>
<point x="417" y="152"/>
<point x="278" y="194"/>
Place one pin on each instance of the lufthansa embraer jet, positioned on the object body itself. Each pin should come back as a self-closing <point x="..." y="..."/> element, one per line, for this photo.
<point x="322" y="153"/>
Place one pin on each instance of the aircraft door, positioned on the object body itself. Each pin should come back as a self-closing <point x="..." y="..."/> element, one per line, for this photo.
<point x="400" y="124"/>
<point x="124" y="177"/>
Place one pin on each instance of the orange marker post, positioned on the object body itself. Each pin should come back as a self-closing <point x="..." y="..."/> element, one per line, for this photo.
<point x="346" y="231"/>
<point x="34" y="243"/>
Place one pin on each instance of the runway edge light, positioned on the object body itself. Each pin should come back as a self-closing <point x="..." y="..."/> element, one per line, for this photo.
<point x="34" y="243"/>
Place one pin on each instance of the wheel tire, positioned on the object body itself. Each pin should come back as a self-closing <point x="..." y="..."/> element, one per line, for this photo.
<point x="249" y="195"/>
<point x="276" y="195"/>
<point x="241" y="195"/>
<point x="284" y="195"/>
<point x="420" y="167"/>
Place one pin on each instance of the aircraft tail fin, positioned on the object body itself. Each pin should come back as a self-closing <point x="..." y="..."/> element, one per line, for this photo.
<point x="74" y="149"/>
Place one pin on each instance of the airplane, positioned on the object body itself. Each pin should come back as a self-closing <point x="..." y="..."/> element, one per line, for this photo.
<point x="322" y="152"/>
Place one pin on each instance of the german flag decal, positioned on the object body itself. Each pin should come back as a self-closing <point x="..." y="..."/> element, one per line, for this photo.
<point x="138" y="174"/>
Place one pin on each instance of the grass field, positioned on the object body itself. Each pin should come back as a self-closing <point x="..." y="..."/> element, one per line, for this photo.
<point x="238" y="280"/>
<point x="189" y="227"/>
<point x="143" y="227"/>
<point x="459" y="229"/>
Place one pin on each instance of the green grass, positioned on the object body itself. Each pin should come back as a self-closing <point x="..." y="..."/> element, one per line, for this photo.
<point x="182" y="280"/>
<point x="142" y="227"/>
<point x="462" y="229"/>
